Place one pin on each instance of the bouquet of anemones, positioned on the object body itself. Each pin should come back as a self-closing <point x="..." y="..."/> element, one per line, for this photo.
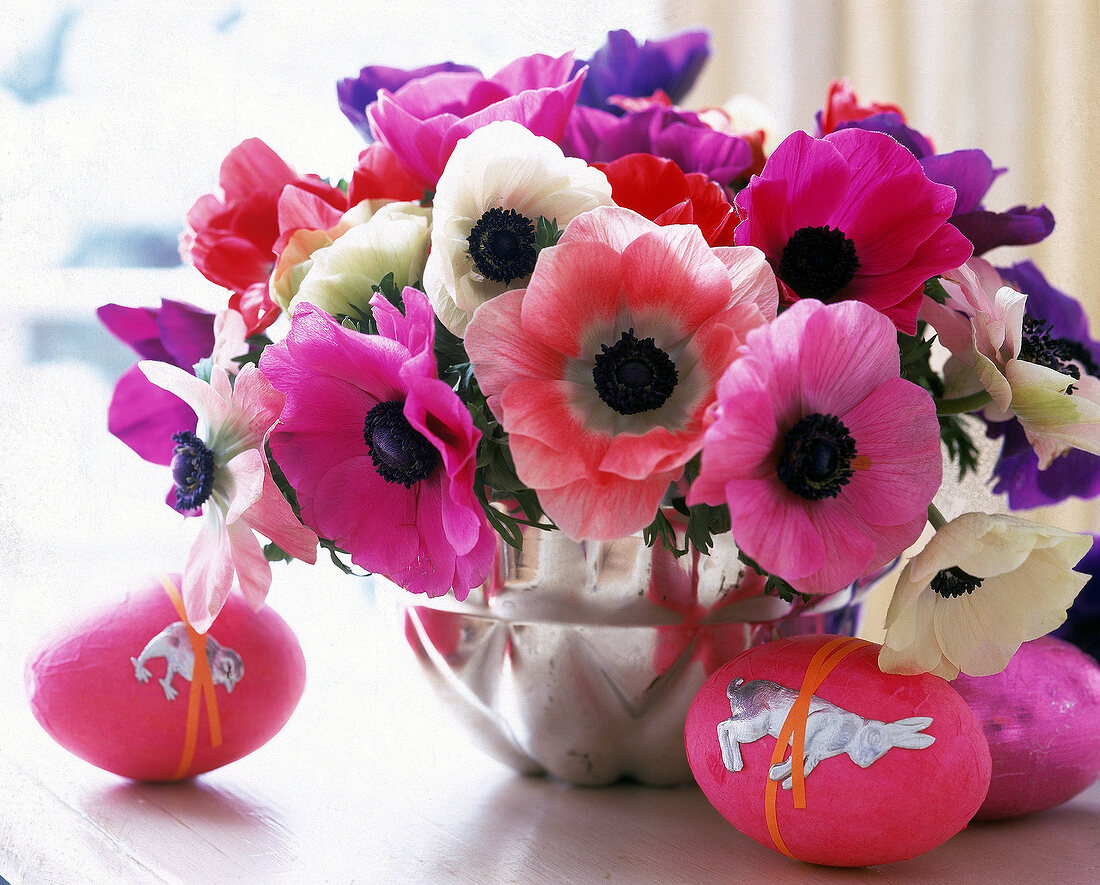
<point x="555" y="298"/>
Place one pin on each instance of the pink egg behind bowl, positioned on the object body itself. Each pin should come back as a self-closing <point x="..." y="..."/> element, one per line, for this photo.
<point x="1041" y="716"/>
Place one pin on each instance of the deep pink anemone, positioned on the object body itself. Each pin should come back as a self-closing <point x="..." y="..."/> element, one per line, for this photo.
<point x="851" y="216"/>
<point x="423" y="120"/>
<point x="602" y="368"/>
<point x="380" y="452"/>
<point x="827" y="458"/>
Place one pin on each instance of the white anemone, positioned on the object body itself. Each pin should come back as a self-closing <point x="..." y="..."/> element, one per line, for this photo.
<point x="1016" y="584"/>
<point x="393" y="240"/>
<point x="500" y="167"/>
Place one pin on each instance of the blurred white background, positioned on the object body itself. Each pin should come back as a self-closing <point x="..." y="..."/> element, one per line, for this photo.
<point x="116" y="115"/>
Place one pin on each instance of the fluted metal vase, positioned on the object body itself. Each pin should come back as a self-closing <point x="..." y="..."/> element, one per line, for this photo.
<point x="579" y="660"/>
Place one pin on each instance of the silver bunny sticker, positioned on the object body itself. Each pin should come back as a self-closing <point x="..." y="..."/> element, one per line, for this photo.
<point x="760" y="708"/>
<point x="174" y="645"/>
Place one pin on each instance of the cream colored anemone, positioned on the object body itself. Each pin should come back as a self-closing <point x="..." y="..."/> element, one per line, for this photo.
<point x="982" y="586"/>
<point x="497" y="183"/>
<point x="982" y="324"/>
<point x="393" y="240"/>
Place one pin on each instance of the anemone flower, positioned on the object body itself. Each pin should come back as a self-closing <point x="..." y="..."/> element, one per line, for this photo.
<point x="141" y="414"/>
<point x="1075" y="472"/>
<point x="230" y="236"/>
<point x="684" y="137"/>
<point x="498" y="182"/>
<point x="221" y="474"/>
<point x="423" y="120"/>
<point x="1082" y="625"/>
<point x="827" y="458"/>
<point x="969" y="172"/>
<point x="356" y="95"/>
<point x="656" y="188"/>
<point x="340" y="276"/>
<point x="622" y="67"/>
<point x="1027" y="373"/>
<point x="842" y="105"/>
<point x="851" y="216"/>
<point x="982" y="586"/>
<point x="602" y="368"/>
<point x="380" y="452"/>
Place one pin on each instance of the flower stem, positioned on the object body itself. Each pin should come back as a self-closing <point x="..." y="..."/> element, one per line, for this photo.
<point x="961" y="404"/>
<point x="935" y="518"/>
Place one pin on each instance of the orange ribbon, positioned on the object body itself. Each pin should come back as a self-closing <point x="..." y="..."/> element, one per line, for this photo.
<point x="794" y="730"/>
<point x="202" y="686"/>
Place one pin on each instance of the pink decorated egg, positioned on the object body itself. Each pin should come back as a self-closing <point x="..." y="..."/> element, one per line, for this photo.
<point x="1041" y="716"/>
<point x="804" y="745"/>
<point x="124" y="689"/>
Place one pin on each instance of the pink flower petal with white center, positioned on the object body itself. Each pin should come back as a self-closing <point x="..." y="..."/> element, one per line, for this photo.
<point x="246" y="472"/>
<point x="273" y="517"/>
<point x="257" y="402"/>
<point x="251" y="566"/>
<point x="547" y="438"/>
<point x="657" y="451"/>
<point x="208" y="573"/>
<point x="211" y="407"/>
<point x="613" y="226"/>
<point x="751" y="277"/>
<point x="661" y="267"/>
<point x="574" y="290"/>
<point x="604" y="512"/>
<point x="774" y="528"/>
<point x="501" y="350"/>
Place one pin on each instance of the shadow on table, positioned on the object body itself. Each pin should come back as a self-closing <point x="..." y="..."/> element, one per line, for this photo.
<point x="535" y="829"/>
<point x="194" y="828"/>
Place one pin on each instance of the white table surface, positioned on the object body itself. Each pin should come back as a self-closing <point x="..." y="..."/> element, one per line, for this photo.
<point x="370" y="781"/>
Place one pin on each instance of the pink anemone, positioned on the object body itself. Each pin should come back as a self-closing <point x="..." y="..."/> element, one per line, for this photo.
<point x="423" y="120"/>
<point x="827" y="458"/>
<point x="602" y="368"/>
<point x="851" y="216"/>
<point x="379" y="451"/>
<point x="221" y="475"/>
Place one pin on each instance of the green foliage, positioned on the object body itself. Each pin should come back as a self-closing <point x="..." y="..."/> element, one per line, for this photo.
<point x="546" y="233"/>
<point x="916" y="366"/>
<point x="775" y="584"/>
<point x="703" y="522"/>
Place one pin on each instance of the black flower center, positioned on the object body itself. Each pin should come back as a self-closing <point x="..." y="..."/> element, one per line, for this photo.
<point x="192" y="471"/>
<point x="634" y="375"/>
<point x="818" y="262"/>
<point x="399" y="452"/>
<point x="952" y="582"/>
<point x="1039" y="346"/>
<point x="502" y="245"/>
<point x="817" y="457"/>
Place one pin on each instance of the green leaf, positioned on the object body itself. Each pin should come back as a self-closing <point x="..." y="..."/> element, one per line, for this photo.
<point x="274" y="553"/>
<point x="774" y="584"/>
<point x="546" y="233"/>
